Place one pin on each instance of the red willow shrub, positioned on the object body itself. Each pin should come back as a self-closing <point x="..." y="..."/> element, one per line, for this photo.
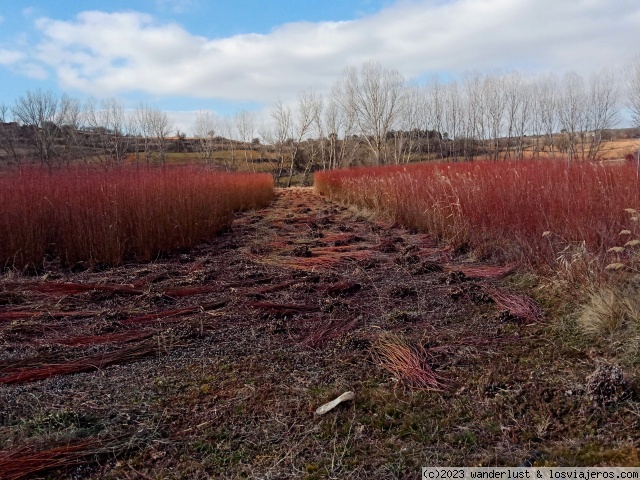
<point x="501" y="209"/>
<point x="81" y="214"/>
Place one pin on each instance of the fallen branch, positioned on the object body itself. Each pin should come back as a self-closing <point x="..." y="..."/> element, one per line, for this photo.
<point x="59" y="288"/>
<point x="86" y="364"/>
<point x="17" y="315"/>
<point x="485" y="271"/>
<point x="157" y="316"/>
<point x="324" y="331"/>
<point x="102" y="339"/>
<point x="26" y="461"/>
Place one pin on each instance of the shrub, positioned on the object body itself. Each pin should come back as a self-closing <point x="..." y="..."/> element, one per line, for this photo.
<point x="104" y="217"/>
<point x="536" y="213"/>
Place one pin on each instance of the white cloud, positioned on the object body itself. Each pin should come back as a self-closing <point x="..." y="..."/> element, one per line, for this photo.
<point x="181" y="121"/>
<point x="17" y="61"/>
<point x="32" y="70"/>
<point x="111" y="53"/>
<point x="10" y="57"/>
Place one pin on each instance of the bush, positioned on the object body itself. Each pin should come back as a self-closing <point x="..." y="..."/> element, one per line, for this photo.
<point x="104" y="217"/>
<point x="538" y="213"/>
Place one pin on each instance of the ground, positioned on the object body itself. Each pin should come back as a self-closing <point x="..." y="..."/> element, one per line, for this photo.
<point x="211" y="363"/>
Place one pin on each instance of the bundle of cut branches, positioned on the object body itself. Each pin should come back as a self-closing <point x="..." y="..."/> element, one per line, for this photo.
<point x="26" y="461"/>
<point x="85" y="364"/>
<point x="407" y="363"/>
<point x="518" y="305"/>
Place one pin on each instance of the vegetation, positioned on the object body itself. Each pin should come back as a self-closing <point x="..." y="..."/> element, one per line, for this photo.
<point x="371" y="117"/>
<point x="575" y="224"/>
<point x="213" y="363"/>
<point x="526" y="212"/>
<point x="211" y="359"/>
<point x="80" y="214"/>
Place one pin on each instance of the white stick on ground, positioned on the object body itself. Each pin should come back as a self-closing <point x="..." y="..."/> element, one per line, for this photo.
<point x="333" y="403"/>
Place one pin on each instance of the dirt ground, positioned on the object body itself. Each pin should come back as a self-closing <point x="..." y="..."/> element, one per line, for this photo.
<point x="211" y="363"/>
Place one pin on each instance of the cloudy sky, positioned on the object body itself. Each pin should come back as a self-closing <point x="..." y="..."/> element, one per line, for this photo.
<point x="186" y="55"/>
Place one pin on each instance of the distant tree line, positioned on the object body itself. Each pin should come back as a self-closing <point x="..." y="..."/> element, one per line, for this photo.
<point x="371" y="116"/>
<point x="58" y="130"/>
<point x="496" y="116"/>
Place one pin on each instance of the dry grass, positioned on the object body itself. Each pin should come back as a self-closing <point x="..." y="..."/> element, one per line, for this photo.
<point x="519" y="306"/>
<point x="25" y="461"/>
<point x="163" y="315"/>
<point x="612" y="314"/>
<point x="605" y="312"/>
<point x="322" y="331"/>
<point x="407" y="363"/>
<point x="232" y="393"/>
<point x="320" y="259"/>
<point x="576" y="224"/>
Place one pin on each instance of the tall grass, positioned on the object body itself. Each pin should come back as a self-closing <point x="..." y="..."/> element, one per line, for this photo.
<point x="105" y="217"/>
<point x="536" y="213"/>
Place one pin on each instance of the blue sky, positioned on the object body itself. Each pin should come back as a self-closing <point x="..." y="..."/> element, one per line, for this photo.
<point x="187" y="55"/>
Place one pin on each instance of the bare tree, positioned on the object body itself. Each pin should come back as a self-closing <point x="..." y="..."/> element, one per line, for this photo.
<point x="9" y="136"/>
<point x="205" y="128"/>
<point x="372" y="96"/>
<point x="474" y="119"/>
<point x="494" y="104"/>
<point x="70" y="121"/>
<point x="153" y="127"/>
<point x="317" y="149"/>
<point x="280" y="133"/>
<point x="516" y="109"/>
<point x="226" y="137"/>
<point x="410" y="119"/>
<point x="245" y="126"/>
<point x="520" y="124"/>
<point x="40" y="112"/>
<point x="433" y="118"/>
<point x="143" y="135"/>
<point x="453" y="118"/>
<point x="111" y="130"/>
<point x="547" y="111"/>
<point x="602" y="110"/>
<point x="338" y="122"/>
<point x="49" y="125"/>
<point x="572" y="111"/>
<point x="633" y="95"/>
<point x="307" y="114"/>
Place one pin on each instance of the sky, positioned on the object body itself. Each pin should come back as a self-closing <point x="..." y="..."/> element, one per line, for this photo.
<point x="187" y="55"/>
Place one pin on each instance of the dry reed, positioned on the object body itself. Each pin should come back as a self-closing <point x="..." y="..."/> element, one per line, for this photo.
<point x="407" y="363"/>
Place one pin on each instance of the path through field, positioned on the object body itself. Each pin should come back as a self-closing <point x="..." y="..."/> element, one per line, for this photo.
<point x="211" y="363"/>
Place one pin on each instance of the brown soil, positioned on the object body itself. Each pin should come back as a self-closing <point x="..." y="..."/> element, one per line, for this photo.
<point x="211" y="363"/>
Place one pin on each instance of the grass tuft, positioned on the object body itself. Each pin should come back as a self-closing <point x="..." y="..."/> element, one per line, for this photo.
<point x="407" y="363"/>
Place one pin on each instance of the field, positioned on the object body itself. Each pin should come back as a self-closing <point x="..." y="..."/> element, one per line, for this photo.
<point x="459" y="345"/>
<point x="575" y="225"/>
<point x="525" y="212"/>
<point x="87" y="215"/>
